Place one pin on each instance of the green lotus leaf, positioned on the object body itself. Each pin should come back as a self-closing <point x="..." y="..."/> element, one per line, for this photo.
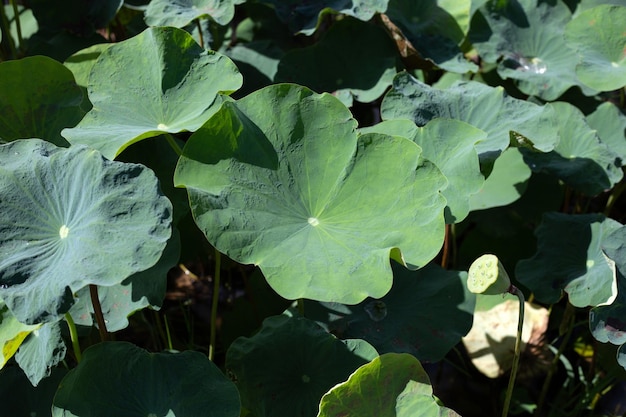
<point x="450" y="144"/>
<point x="578" y="267"/>
<point x="610" y="124"/>
<point x="607" y="323"/>
<point x="598" y="37"/>
<point x="39" y="98"/>
<point x="64" y="215"/>
<point x="393" y="384"/>
<point x="258" y="63"/>
<point x="580" y="159"/>
<point x="505" y="184"/>
<point x="352" y="55"/>
<point x="303" y="16"/>
<point x="526" y="39"/>
<point x="140" y="290"/>
<point x="18" y="397"/>
<point x="484" y="107"/>
<point x="180" y="13"/>
<point x="12" y="333"/>
<point x="392" y="324"/>
<point x="298" y="193"/>
<point x="121" y="379"/>
<point x="82" y="62"/>
<point x="436" y="28"/>
<point x="42" y="350"/>
<point x="158" y="81"/>
<point x="286" y="367"/>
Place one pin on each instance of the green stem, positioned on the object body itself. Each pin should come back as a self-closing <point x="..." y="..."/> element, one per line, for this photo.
<point x="518" y="349"/>
<point x="301" y="306"/>
<point x="200" y="32"/>
<point x="7" y="39"/>
<point x="615" y="194"/>
<point x="97" y="309"/>
<point x="167" y="331"/>
<point x="74" y="337"/>
<point x="216" y="297"/>
<point x="173" y="144"/>
<point x="18" y="25"/>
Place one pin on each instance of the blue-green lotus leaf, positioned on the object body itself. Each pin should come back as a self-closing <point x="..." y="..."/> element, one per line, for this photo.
<point x="299" y="193"/>
<point x="352" y="55"/>
<point x="180" y="13"/>
<point x="39" y="98"/>
<point x="526" y="38"/>
<point x="484" y="107"/>
<point x="393" y="324"/>
<point x="450" y="144"/>
<point x="391" y="385"/>
<point x="42" y="350"/>
<point x="121" y="379"/>
<point x="569" y="257"/>
<point x="140" y="290"/>
<point x="303" y="16"/>
<point x="158" y="81"/>
<point x="610" y="124"/>
<point x="64" y="215"/>
<point x="12" y="333"/>
<point x="436" y="28"/>
<point x="505" y="184"/>
<point x="607" y="323"/>
<point x="599" y="38"/>
<point x="286" y="367"/>
<point x="580" y="159"/>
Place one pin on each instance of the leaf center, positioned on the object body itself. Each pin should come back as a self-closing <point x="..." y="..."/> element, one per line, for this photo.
<point x="64" y="231"/>
<point x="313" y="221"/>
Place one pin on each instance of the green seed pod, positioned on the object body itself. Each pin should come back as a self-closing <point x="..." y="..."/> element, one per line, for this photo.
<point x="488" y="276"/>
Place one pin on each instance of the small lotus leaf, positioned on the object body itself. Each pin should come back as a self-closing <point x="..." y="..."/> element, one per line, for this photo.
<point x="286" y="367"/>
<point x="450" y="144"/>
<point x="484" y="107"/>
<point x="12" y="333"/>
<point x="526" y="39"/>
<point x="352" y="55"/>
<point x="180" y="13"/>
<point x="610" y="124"/>
<point x="391" y="385"/>
<point x="65" y="214"/>
<point x="121" y="379"/>
<point x="158" y="81"/>
<point x="393" y="324"/>
<point x="39" y="98"/>
<point x="303" y="16"/>
<point x="42" y="350"/>
<point x="599" y="38"/>
<point x="580" y="159"/>
<point x="579" y="267"/>
<point x="297" y="192"/>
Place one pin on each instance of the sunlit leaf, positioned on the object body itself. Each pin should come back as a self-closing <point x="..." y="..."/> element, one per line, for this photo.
<point x="180" y="13"/>
<point x="610" y="124"/>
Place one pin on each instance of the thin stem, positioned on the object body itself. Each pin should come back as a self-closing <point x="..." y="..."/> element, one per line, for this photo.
<point x="7" y="39"/>
<point x="73" y="336"/>
<point x="167" y="331"/>
<point x="18" y="25"/>
<point x="200" y="32"/>
<point x="301" y="306"/>
<point x="615" y="194"/>
<point x="173" y="144"/>
<point x="446" y="248"/>
<point x="216" y="298"/>
<point x="518" y="349"/>
<point x="97" y="309"/>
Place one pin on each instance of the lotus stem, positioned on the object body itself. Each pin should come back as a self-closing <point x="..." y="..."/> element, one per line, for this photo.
<point x="173" y="144"/>
<point x="18" y="25"/>
<point x="97" y="309"/>
<point x="216" y="298"/>
<point x="518" y="349"/>
<point x="200" y="32"/>
<point x="73" y="336"/>
<point x="301" y="306"/>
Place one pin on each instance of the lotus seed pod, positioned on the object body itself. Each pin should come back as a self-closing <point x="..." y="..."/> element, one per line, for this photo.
<point x="488" y="276"/>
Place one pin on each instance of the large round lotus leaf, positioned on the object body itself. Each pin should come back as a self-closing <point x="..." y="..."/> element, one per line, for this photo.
<point x="289" y="364"/>
<point x="484" y="107"/>
<point x="180" y="13"/>
<point x="599" y="38"/>
<point x="569" y="257"/>
<point x="158" y="81"/>
<point x="295" y="191"/>
<point x="18" y="397"/>
<point x="436" y="29"/>
<point x="120" y="379"/>
<point x="610" y="124"/>
<point x="394" y="384"/>
<point x="12" y="333"/>
<point x="393" y="324"/>
<point x="505" y="184"/>
<point x="39" y="98"/>
<point x="42" y="350"/>
<point x="352" y="55"/>
<point x="70" y="218"/>
<point x="580" y="159"/>
<point x="526" y="38"/>
<point x="303" y="16"/>
<point x="450" y="144"/>
<point x="140" y="290"/>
